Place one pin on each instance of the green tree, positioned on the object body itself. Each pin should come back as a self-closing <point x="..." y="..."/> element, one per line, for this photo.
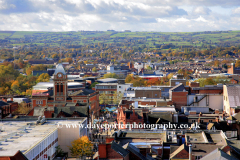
<point x="149" y="68"/>
<point x="44" y="77"/>
<point x="237" y="64"/>
<point x="81" y="147"/>
<point x="94" y="69"/>
<point x="93" y="85"/>
<point x="117" y="97"/>
<point x="104" y="99"/>
<point x="129" y="78"/>
<point x="22" y="108"/>
<point x="110" y="75"/>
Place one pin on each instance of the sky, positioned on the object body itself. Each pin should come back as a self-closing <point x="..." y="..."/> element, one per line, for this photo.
<point x="120" y="15"/>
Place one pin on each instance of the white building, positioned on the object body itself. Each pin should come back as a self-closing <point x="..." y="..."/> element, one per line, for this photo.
<point x="213" y="101"/>
<point x="38" y="141"/>
<point x="121" y="88"/>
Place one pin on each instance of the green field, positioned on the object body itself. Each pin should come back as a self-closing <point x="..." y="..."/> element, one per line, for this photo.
<point x="110" y="37"/>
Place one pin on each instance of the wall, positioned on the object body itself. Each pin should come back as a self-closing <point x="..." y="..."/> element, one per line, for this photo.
<point x="67" y="135"/>
<point x="226" y="104"/>
<point x="123" y="87"/>
<point x="179" y="99"/>
<point x="45" y="147"/>
<point x="214" y="101"/>
<point x="174" y="82"/>
<point x="148" y="93"/>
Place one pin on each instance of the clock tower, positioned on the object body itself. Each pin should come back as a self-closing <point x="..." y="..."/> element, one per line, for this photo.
<point x="60" y="84"/>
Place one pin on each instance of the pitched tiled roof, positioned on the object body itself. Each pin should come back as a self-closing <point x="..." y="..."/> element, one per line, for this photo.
<point x="218" y="154"/>
<point x="182" y="147"/>
<point x="237" y="116"/>
<point x="119" y="149"/>
<point x="2" y="103"/>
<point x="68" y="111"/>
<point x="134" y="150"/>
<point x="178" y="88"/>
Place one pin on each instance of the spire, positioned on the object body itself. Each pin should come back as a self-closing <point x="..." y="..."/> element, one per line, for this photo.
<point x="59" y="68"/>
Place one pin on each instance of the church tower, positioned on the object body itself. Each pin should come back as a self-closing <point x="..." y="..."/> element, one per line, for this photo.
<point x="60" y="84"/>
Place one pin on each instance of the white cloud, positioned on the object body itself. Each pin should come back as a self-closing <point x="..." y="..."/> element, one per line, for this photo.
<point x="201" y="10"/>
<point x="236" y="10"/>
<point x="154" y="15"/>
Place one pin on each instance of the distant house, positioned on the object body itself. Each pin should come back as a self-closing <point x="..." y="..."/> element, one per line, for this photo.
<point x="41" y="61"/>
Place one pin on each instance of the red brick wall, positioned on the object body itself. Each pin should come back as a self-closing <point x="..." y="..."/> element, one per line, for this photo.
<point x="231" y="70"/>
<point x="183" y="155"/>
<point x="111" y="154"/>
<point x="145" y="103"/>
<point x="193" y="84"/>
<point x="211" y="91"/>
<point x="48" y="114"/>
<point x="179" y="99"/>
<point x="102" y="150"/>
<point x="17" y="156"/>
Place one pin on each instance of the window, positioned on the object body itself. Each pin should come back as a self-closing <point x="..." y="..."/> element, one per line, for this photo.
<point x="210" y="120"/>
<point x="155" y="95"/>
<point x="193" y="121"/>
<point x="61" y="88"/>
<point x="198" y="157"/>
<point x="201" y="121"/>
<point x="119" y="86"/>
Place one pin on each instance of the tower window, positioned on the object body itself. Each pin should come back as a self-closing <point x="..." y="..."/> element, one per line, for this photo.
<point x="61" y="89"/>
<point x="57" y="87"/>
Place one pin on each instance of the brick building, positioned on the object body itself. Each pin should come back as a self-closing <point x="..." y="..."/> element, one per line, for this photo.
<point x="107" y="88"/>
<point x="233" y="69"/>
<point x="128" y="118"/>
<point x="148" y="93"/>
<point x="60" y="96"/>
<point x="178" y="94"/>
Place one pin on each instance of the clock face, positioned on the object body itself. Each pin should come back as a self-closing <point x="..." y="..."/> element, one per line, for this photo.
<point x="59" y="75"/>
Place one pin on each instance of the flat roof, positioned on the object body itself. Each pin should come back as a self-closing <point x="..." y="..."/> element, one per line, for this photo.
<point x="45" y="85"/>
<point x="106" y="84"/>
<point x="19" y="135"/>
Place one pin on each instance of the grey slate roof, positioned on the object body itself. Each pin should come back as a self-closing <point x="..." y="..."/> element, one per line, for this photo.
<point x="68" y="111"/>
<point x="119" y="149"/>
<point x="134" y="150"/>
<point x="218" y="154"/>
<point x="59" y="68"/>
<point x="39" y="111"/>
<point x="178" y="88"/>
<point x="2" y="103"/>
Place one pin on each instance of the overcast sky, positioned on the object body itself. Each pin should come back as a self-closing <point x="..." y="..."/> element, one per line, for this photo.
<point x="134" y="15"/>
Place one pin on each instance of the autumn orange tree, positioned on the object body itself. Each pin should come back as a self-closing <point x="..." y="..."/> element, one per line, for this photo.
<point x="81" y="147"/>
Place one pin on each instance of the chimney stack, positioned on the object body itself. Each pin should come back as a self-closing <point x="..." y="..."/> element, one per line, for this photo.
<point x="190" y="152"/>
